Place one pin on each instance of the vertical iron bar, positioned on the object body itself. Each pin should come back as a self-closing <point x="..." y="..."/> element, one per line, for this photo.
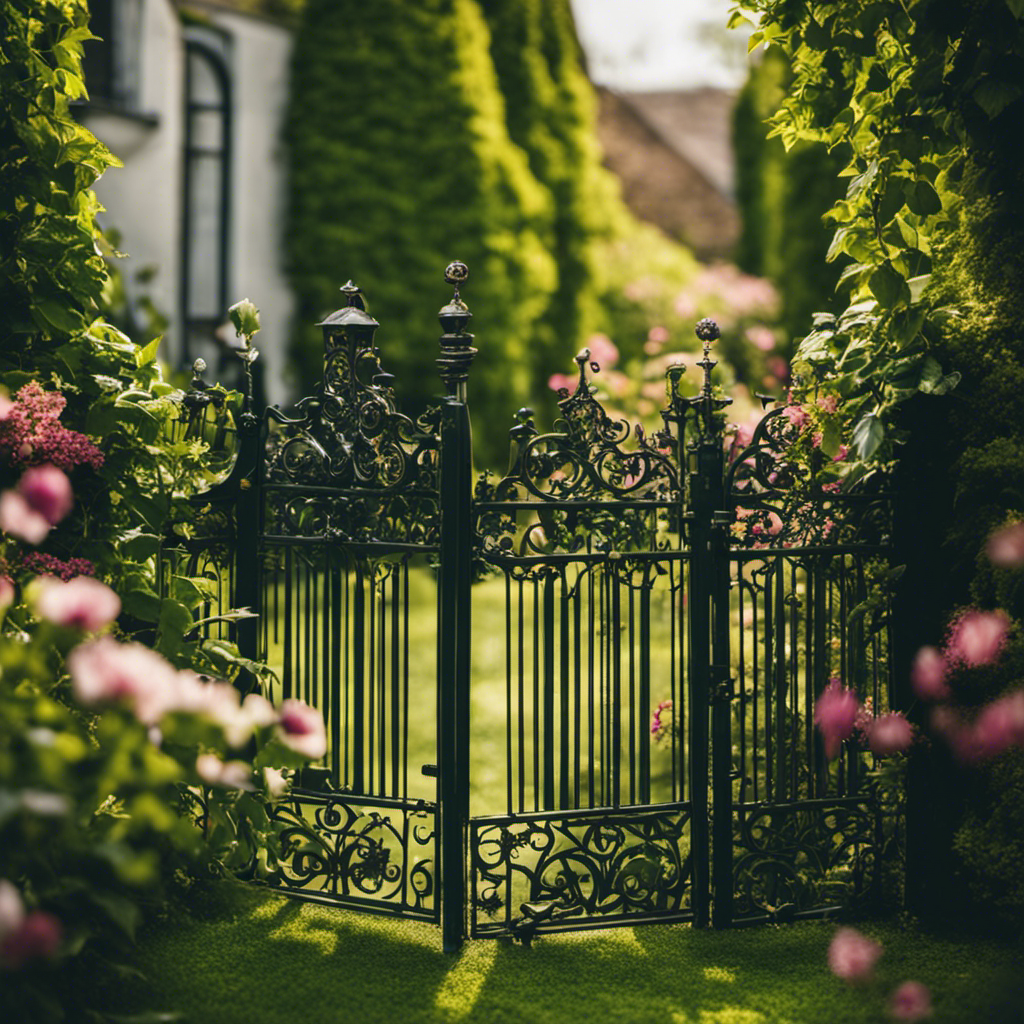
<point x="358" y="627"/>
<point x="563" y="672"/>
<point x="645" y="687"/>
<point x="549" y="691"/>
<point x="455" y="582"/>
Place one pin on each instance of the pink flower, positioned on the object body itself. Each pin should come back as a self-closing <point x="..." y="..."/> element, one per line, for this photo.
<point x="20" y="520"/>
<point x="558" y="381"/>
<point x="889" y="734"/>
<point x="928" y="675"/>
<point x="852" y="956"/>
<point x="37" y="937"/>
<point x="6" y="593"/>
<point x="911" y="1001"/>
<point x="603" y="350"/>
<point x="816" y="438"/>
<point x="80" y="603"/>
<point x="658" y="334"/>
<point x="976" y="638"/>
<point x="828" y="403"/>
<point x="797" y="415"/>
<point x="47" y="491"/>
<point x="761" y="337"/>
<point x="841" y="453"/>
<point x="999" y="726"/>
<point x="1005" y="547"/>
<point x="276" y="783"/>
<point x="104" y="670"/>
<point x="230" y="775"/>
<point x="6" y="405"/>
<point x="302" y="728"/>
<point x="31" y="432"/>
<point x="12" y="910"/>
<point x="836" y="714"/>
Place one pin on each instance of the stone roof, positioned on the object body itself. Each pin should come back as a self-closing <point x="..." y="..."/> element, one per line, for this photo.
<point x="674" y="160"/>
<point x="697" y="124"/>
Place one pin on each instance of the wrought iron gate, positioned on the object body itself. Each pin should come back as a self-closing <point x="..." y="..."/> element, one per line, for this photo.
<point x="638" y="574"/>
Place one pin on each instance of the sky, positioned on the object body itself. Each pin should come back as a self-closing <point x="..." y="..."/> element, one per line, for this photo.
<point x="646" y="45"/>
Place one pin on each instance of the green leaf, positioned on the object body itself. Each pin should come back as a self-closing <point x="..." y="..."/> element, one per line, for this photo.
<point x="868" y="434"/>
<point x="175" y="621"/>
<point x="917" y="286"/>
<point x="1016" y="8"/>
<point x="887" y="285"/>
<point x="923" y="199"/>
<point x="142" y="604"/>
<point x="245" y="317"/>
<point x="147" y="354"/>
<point x="830" y="437"/>
<point x="994" y="96"/>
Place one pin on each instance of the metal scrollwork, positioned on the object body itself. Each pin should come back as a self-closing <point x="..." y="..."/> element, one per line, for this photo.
<point x="607" y="867"/>
<point x="777" y="502"/>
<point x="351" y="436"/>
<point x="797" y="858"/>
<point x="337" y="848"/>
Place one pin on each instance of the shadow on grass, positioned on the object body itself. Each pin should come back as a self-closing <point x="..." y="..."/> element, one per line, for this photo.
<point x="245" y="956"/>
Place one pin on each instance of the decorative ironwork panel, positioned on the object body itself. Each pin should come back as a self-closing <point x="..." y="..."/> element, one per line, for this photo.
<point x="536" y="873"/>
<point x="805" y="858"/>
<point x="350" y="850"/>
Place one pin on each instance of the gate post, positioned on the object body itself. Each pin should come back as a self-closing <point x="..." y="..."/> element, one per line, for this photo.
<point x="455" y="578"/>
<point x="710" y="682"/>
<point x="248" y="508"/>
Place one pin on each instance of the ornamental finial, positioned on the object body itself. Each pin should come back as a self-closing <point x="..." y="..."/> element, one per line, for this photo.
<point x="457" y="350"/>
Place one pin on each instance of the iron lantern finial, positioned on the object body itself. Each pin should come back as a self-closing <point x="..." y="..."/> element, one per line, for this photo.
<point x="457" y="350"/>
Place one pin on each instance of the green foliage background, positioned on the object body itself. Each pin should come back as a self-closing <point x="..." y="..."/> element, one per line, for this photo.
<point x="783" y="196"/>
<point x="927" y="98"/>
<point x="460" y="129"/>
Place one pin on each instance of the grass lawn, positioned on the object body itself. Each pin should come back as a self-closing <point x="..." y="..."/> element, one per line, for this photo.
<point x="246" y="956"/>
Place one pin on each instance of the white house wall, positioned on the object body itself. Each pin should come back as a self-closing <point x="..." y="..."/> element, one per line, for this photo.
<point x="144" y="199"/>
<point x="260" y="69"/>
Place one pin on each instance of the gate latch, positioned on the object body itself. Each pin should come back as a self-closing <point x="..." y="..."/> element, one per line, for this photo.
<point x="430" y="770"/>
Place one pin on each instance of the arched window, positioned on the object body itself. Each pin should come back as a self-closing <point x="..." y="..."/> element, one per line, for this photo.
<point x="206" y="220"/>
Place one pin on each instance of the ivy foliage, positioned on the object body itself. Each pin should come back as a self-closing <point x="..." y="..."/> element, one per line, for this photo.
<point x="929" y="98"/>
<point x="911" y="90"/>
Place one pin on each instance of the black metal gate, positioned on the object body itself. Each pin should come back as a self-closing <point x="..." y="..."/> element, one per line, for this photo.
<point x="634" y="576"/>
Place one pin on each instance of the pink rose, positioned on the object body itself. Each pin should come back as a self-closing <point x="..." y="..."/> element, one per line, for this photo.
<point x="20" y="520"/>
<point x="999" y="726"/>
<point x="12" y="910"/>
<point x="47" y="491"/>
<point x="976" y="638"/>
<point x="889" y="734"/>
<point x="104" y="670"/>
<point x="80" y="603"/>
<point x="911" y="1001"/>
<point x="1005" y="547"/>
<point x="38" y="937"/>
<point x="852" y="956"/>
<point x="796" y="415"/>
<point x="302" y="728"/>
<point x="835" y="713"/>
<point x="928" y="675"/>
<point x="603" y="350"/>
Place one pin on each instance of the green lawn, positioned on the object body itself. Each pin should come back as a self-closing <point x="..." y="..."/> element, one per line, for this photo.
<point x="252" y="957"/>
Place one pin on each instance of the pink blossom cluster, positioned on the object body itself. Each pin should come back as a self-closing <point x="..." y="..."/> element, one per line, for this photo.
<point x="663" y="721"/>
<point x="743" y="294"/>
<point x="838" y="713"/>
<point x="41" y="499"/>
<point x="31" y="432"/>
<point x="1005" y="547"/>
<point x="852" y="957"/>
<point x="50" y="565"/>
<point x="975" y="639"/>
<point x="25" y="936"/>
<point x="104" y="671"/>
